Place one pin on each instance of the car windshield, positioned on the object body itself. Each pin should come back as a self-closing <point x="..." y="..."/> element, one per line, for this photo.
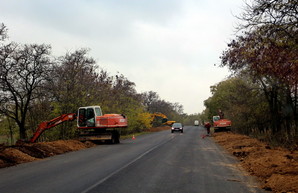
<point x="177" y="125"/>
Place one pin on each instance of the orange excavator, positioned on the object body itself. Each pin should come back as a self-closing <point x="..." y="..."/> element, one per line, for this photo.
<point x="93" y="125"/>
<point x="220" y="123"/>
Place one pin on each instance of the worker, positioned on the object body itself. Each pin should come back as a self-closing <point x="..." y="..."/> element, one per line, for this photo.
<point x="207" y="126"/>
<point x="221" y="114"/>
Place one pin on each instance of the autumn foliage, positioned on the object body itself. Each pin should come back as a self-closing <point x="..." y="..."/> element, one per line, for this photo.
<point x="262" y="97"/>
<point x="36" y="86"/>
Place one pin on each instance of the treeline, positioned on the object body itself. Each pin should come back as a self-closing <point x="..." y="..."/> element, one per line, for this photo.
<point x="261" y="97"/>
<point x="36" y="86"/>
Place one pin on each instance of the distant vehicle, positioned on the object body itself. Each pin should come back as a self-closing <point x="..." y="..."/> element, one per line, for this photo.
<point x="196" y="123"/>
<point x="177" y="127"/>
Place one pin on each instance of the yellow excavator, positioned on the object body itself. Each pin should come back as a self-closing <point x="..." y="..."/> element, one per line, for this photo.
<point x="164" y="118"/>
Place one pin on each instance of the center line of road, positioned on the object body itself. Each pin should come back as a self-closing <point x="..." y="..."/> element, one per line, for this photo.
<point x="126" y="165"/>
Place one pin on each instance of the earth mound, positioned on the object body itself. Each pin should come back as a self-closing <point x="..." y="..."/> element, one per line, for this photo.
<point x="277" y="168"/>
<point x="27" y="152"/>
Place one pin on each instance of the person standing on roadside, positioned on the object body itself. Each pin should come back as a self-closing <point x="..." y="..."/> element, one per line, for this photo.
<point x="208" y="126"/>
<point x="221" y="114"/>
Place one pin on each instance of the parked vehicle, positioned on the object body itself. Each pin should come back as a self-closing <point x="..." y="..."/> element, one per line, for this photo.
<point x="221" y="124"/>
<point x="91" y="123"/>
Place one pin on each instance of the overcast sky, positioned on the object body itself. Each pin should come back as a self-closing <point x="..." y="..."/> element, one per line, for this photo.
<point x="166" y="46"/>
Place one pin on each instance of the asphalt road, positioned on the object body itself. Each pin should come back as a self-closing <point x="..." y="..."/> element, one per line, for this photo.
<point x="153" y="163"/>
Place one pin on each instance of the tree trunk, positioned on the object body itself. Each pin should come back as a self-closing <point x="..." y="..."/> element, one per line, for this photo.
<point x="10" y="132"/>
<point x="22" y="131"/>
<point x="295" y="107"/>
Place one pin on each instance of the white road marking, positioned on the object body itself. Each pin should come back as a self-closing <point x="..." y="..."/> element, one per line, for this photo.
<point x="126" y="165"/>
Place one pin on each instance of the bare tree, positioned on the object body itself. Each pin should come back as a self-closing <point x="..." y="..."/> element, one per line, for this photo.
<point x="279" y="16"/>
<point x="23" y="70"/>
<point x="149" y="98"/>
<point x="73" y="83"/>
<point x="3" y="32"/>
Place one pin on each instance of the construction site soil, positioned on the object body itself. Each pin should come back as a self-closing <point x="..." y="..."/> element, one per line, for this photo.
<point x="276" y="168"/>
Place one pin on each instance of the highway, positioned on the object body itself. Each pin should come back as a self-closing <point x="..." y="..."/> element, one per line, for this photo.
<point x="153" y="163"/>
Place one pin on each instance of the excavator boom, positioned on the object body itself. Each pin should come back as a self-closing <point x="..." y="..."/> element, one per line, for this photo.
<point x="52" y="123"/>
<point x="165" y="120"/>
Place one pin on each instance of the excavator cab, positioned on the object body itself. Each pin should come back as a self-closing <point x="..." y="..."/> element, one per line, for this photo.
<point x="216" y="118"/>
<point x="164" y="120"/>
<point x="87" y="116"/>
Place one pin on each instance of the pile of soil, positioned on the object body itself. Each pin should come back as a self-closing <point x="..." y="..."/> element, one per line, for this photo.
<point x="27" y="152"/>
<point x="276" y="168"/>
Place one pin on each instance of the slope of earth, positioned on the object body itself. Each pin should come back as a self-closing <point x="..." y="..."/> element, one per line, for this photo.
<point x="27" y="152"/>
<point x="276" y="168"/>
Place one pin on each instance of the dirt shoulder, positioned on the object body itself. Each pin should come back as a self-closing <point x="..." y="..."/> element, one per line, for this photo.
<point x="276" y="168"/>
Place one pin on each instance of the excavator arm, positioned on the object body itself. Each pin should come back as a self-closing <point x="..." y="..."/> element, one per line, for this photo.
<point x="52" y="123"/>
<point x="165" y="120"/>
<point x="157" y="114"/>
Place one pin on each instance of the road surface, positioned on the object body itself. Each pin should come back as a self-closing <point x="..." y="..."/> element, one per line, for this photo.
<point x="152" y="163"/>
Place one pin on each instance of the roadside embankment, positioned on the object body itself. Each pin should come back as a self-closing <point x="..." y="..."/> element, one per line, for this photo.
<point x="27" y="152"/>
<point x="276" y="168"/>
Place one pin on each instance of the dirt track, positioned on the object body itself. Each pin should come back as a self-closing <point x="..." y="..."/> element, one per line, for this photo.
<point x="277" y="169"/>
